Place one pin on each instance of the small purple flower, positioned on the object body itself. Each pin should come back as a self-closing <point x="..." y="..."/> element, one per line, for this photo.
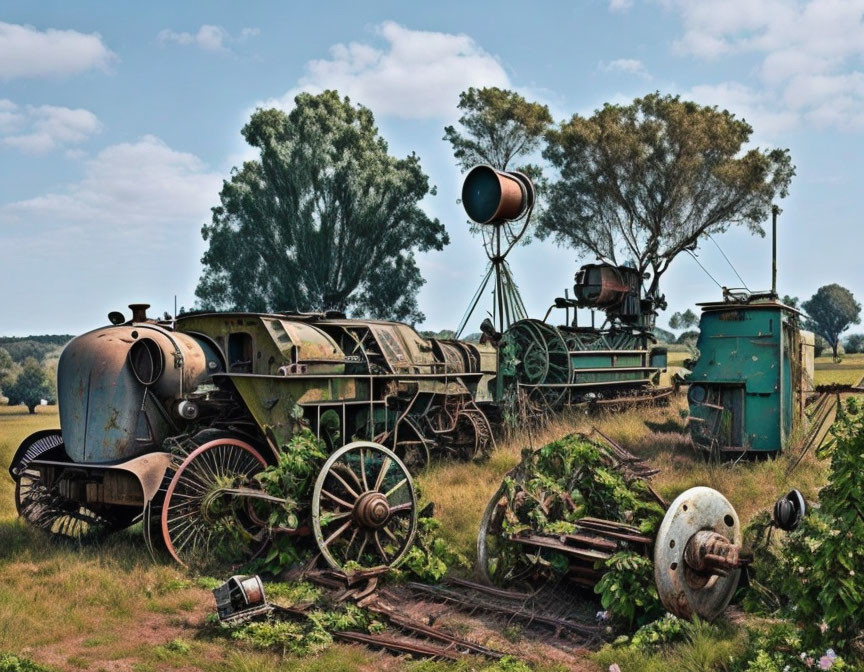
<point x="614" y="668"/>
<point x="825" y="663"/>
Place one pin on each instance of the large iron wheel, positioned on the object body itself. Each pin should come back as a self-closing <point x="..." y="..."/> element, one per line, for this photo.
<point x="46" y="509"/>
<point x="364" y="509"/>
<point x="202" y="522"/>
<point x="43" y="507"/>
<point x="500" y="561"/>
<point x="474" y="435"/>
<point x="541" y="359"/>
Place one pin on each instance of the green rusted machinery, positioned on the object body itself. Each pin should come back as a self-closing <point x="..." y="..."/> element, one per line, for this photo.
<point x="552" y="366"/>
<point x="546" y="366"/>
<point x="750" y="384"/>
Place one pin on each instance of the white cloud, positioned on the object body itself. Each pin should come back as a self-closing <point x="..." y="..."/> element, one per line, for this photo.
<point x="811" y="50"/>
<point x="28" y="52"/>
<point x="127" y="230"/>
<point x="131" y="188"/>
<point x="207" y="38"/>
<point x="417" y="74"/>
<point x="631" y="66"/>
<point x="38" y="129"/>
<point x="620" y="5"/>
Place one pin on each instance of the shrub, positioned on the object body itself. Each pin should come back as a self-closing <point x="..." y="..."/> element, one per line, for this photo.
<point x="627" y="589"/>
<point x="12" y="663"/>
<point x="431" y="556"/>
<point x="854" y="344"/>
<point x="815" y="576"/>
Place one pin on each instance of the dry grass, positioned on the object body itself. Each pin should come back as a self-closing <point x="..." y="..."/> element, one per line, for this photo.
<point x="848" y="371"/>
<point x="111" y="607"/>
<point x="659" y="433"/>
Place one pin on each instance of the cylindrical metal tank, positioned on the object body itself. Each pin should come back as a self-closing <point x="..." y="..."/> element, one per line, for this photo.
<point x="113" y="384"/>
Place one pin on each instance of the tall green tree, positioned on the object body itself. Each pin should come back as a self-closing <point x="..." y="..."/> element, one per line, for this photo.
<point x="831" y="311"/>
<point x="791" y="301"/>
<point x="686" y="320"/>
<point x="324" y="219"/>
<point x="497" y="127"/>
<point x="30" y="387"/>
<point x="644" y="182"/>
<point x="854" y="344"/>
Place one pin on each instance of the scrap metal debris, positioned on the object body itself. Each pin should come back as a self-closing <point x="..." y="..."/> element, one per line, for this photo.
<point x="241" y="598"/>
<point x="411" y="636"/>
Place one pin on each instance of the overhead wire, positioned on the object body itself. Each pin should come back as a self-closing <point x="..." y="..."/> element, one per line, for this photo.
<point x="704" y="269"/>
<point x="729" y="262"/>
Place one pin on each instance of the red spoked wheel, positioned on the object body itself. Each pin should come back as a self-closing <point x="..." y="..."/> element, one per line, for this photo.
<point x="203" y="521"/>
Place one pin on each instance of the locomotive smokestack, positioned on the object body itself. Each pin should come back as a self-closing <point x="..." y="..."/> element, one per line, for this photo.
<point x="139" y="311"/>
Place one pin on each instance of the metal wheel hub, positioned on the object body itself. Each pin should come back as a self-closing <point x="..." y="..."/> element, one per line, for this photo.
<point x="212" y="508"/>
<point x="372" y="510"/>
<point x="697" y="554"/>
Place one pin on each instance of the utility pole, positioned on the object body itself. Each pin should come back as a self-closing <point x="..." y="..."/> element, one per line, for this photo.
<point x="775" y="210"/>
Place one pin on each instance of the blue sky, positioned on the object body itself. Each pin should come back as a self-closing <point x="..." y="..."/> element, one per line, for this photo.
<point x="118" y="122"/>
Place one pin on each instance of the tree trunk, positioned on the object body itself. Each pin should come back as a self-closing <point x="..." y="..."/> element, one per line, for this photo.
<point x="32" y="409"/>
<point x="834" y="346"/>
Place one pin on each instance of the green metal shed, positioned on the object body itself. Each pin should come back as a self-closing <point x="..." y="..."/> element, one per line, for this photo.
<point x="754" y="372"/>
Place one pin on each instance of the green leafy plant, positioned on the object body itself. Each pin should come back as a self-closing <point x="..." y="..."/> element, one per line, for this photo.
<point x="12" y="663"/>
<point x="431" y="557"/>
<point x="307" y="637"/>
<point x="292" y="593"/>
<point x="287" y="636"/>
<point x="664" y="631"/>
<point x="779" y="648"/>
<point x="627" y="589"/>
<point x="290" y="479"/>
<point x="815" y="575"/>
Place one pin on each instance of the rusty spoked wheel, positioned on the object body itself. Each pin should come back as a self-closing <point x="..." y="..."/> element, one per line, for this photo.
<point x="474" y="435"/>
<point x="203" y="523"/>
<point x="499" y="561"/>
<point x="42" y="505"/>
<point x="364" y="508"/>
<point x="44" y="508"/>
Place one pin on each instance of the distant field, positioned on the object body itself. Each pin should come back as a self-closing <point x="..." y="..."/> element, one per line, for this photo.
<point x="849" y="371"/>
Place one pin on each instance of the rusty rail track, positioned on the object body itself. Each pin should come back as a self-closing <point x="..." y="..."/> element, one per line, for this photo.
<point x="426" y="640"/>
<point x="411" y="648"/>
<point x="517" y="611"/>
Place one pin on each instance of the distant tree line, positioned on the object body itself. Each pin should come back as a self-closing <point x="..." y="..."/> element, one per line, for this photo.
<point x="28" y="369"/>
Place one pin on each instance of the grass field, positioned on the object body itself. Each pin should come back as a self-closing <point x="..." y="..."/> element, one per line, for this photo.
<point x="848" y="371"/>
<point x="112" y="608"/>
